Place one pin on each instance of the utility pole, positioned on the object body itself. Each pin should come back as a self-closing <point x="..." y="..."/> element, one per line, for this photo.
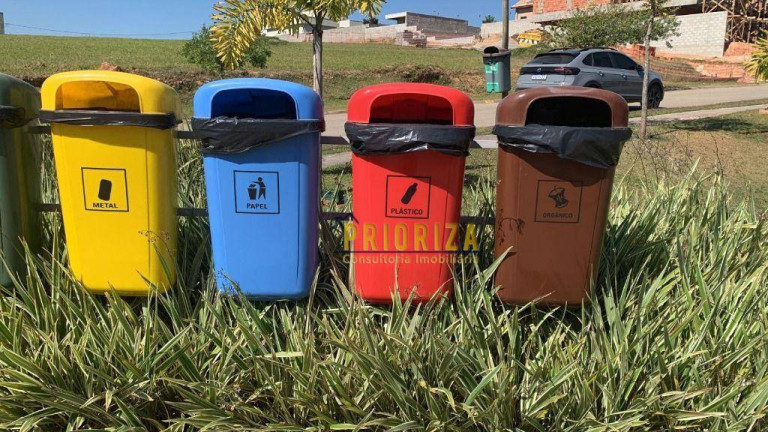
<point x="2" y="24"/>
<point x="505" y="32"/>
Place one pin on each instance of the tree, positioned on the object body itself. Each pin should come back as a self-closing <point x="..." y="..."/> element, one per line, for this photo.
<point x="656" y="12"/>
<point x="371" y="20"/>
<point x="489" y="19"/>
<point x="586" y="28"/>
<point x="758" y="64"/>
<point x="237" y="23"/>
<point x="200" y="51"/>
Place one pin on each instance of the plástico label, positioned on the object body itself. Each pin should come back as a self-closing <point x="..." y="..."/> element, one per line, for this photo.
<point x="558" y="201"/>
<point x="105" y="189"/>
<point x="408" y="197"/>
<point x="257" y="192"/>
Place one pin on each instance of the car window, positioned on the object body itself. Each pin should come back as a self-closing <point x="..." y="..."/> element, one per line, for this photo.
<point x="624" y="62"/>
<point x="589" y="60"/>
<point x="555" y="58"/>
<point x="602" y="59"/>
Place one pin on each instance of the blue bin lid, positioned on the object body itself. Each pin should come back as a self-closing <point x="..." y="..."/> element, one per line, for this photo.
<point x="308" y="104"/>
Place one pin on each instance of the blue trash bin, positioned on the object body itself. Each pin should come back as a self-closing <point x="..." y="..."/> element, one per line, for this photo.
<point x="260" y="140"/>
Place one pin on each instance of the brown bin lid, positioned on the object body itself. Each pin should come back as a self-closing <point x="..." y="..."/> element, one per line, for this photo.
<point x="513" y="110"/>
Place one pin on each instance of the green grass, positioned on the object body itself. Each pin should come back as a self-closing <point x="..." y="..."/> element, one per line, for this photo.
<point x="28" y="56"/>
<point x="46" y="55"/>
<point x="659" y="111"/>
<point x="731" y="146"/>
<point x="348" y="67"/>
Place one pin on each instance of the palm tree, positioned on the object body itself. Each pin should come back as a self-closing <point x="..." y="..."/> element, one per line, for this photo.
<point x="237" y="23"/>
<point x="758" y="64"/>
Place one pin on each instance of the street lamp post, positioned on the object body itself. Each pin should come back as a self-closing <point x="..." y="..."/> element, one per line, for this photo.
<point x="505" y="31"/>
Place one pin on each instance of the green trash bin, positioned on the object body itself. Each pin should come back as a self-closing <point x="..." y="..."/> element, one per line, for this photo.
<point x="497" y="70"/>
<point x="19" y="174"/>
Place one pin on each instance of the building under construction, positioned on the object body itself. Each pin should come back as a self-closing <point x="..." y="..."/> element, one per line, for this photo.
<point x="706" y="26"/>
<point x="747" y="19"/>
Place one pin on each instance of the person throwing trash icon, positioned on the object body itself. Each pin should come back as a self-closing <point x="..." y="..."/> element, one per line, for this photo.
<point x="257" y="189"/>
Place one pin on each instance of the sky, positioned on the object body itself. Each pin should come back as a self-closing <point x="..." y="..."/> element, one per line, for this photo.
<point x="177" y="19"/>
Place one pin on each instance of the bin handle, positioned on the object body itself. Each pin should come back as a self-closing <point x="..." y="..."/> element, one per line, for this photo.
<point x="12" y="117"/>
<point x="109" y="118"/>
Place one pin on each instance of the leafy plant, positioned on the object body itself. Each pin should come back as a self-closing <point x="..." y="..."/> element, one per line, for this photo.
<point x="489" y="19"/>
<point x="656" y="15"/>
<point x="237" y="23"/>
<point x="587" y="28"/>
<point x="200" y="51"/>
<point x="758" y="64"/>
<point x="674" y="338"/>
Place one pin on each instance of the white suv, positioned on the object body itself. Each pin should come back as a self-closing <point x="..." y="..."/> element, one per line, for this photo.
<point x="592" y="67"/>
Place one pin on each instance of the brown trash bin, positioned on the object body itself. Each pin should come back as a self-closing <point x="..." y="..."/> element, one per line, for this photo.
<point x="558" y="147"/>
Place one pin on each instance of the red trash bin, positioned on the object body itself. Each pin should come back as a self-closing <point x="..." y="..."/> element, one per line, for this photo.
<point x="409" y="143"/>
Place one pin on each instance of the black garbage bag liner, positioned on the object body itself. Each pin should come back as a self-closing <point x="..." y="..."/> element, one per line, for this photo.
<point x="594" y="146"/>
<point x="236" y="135"/>
<point x="386" y="139"/>
<point x="109" y="118"/>
<point x="12" y="117"/>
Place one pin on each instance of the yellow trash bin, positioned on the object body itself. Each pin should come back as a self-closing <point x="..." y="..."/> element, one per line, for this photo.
<point x="115" y="159"/>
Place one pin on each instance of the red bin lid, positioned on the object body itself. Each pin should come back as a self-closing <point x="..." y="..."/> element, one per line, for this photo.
<point x="411" y="103"/>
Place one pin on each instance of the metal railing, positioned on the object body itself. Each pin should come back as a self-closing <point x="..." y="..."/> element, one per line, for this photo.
<point x="324" y="140"/>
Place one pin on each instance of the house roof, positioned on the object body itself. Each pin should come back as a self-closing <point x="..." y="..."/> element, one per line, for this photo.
<point x="522" y="4"/>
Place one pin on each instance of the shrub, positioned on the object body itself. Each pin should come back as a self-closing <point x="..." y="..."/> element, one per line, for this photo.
<point x="758" y="64"/>
<point x="199" y="50"/>
<point x="587" y="28"/>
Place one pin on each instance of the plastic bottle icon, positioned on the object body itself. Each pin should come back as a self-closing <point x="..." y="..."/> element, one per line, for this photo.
<point x="409" y="193"/>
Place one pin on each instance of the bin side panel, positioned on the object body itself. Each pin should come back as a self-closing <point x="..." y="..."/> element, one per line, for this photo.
<point x="19" y="191"/>
<point x="406" y="212"/>
<point x="263" y="207"/>
<point x="552" y="214"/>
<point x="106" y="193"/>
<point x="19" y="178"/>
<point x="9" y="224"/>
<point x="162" y="190"/>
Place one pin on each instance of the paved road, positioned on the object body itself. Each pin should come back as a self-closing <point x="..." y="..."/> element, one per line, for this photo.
<point x="485" y="114"/>
<point x="489" y="141"/>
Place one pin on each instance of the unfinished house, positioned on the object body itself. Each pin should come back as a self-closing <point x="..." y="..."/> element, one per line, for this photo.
<point x="706" y="26"/>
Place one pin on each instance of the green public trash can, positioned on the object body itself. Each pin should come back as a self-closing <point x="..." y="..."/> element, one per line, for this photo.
<point x="497" y="70"/>
<point x="19" y="174"/>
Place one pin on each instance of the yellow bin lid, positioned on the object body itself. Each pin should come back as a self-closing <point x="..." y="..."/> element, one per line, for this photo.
<point x="109" y="91"/>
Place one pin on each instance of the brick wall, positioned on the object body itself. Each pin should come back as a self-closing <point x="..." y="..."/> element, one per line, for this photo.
<point x="545" y="6"/>
<point x="700" y="34"/>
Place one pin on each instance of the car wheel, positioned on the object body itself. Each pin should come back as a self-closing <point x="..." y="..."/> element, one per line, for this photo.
<point x="655" y="95"/>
